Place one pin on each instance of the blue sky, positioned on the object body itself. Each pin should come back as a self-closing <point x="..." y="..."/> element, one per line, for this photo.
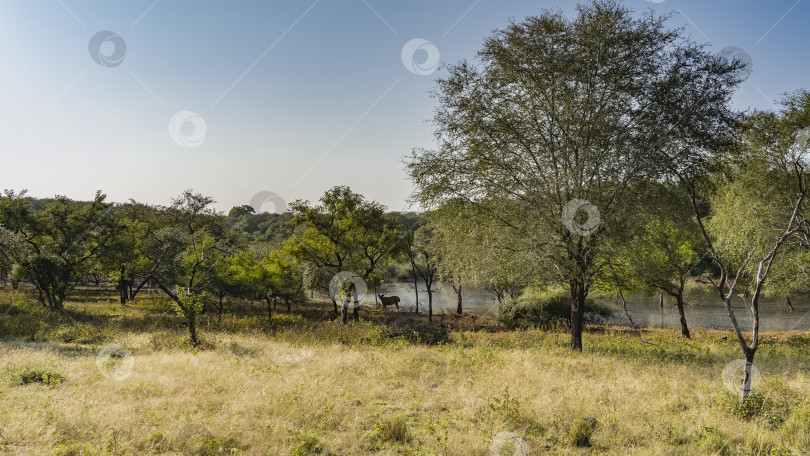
<point x="295" y="96"/>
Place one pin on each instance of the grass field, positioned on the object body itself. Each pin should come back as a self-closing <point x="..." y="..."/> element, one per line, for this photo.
<point x="300" y="384"/>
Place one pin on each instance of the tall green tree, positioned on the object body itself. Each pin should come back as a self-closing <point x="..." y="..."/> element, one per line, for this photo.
<point x="346" y="232"/>
<point x="663" y="246"/>
<point x="548" y="130"/>
<point x="758" y="209"/>
<point x="61" y="241"/>
<point x="184" y="243"/>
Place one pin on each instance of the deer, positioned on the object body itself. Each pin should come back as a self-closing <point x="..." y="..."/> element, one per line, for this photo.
<point x="390" y="300"/>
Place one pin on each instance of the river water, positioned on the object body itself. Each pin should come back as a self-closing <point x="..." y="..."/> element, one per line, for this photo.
<point x="704" y="309"/>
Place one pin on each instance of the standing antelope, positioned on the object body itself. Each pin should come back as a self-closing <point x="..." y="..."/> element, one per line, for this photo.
<point x="390" y="300"/>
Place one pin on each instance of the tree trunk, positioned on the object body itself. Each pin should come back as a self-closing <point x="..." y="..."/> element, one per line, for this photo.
<point x="192" y="328"/>
<point x="335" y="304"/>
<point x="219" y="317"/>
<point x="344" y="313"/>
<point x="269" y="307"/>
<point x="577" y="314"/>
<point x="430" y="304"/>
<point x="287" y="301"/>
<point x="122" y="283"/>
<point x="415" y="287"/>
<point x="787" y="299"/>
<point x="661" y="307"/>
<point x="745" y="387"/>
<point x="684" y="327"/>
<point x="458" y="296"/>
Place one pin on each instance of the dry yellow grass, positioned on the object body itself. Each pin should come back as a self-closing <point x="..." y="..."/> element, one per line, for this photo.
<point x="258" y="394"/>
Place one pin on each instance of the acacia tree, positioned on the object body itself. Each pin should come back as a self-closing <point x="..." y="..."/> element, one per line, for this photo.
<point x="424" y="261"/>
<point x="758" y="209"/>
<point x="345" y="232"/>
<point x="663" y="247"/>
<point x="61" y="241"/>
<point x="280" y="276"/>
<point x="184" y="241"/>
<point x="559" y="111"/>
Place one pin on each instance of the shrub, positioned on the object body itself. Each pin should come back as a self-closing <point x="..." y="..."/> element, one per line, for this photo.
<point x="711" y="441"/>
<point x="81" y="333"/>
<point x="393" y="429"/>
<point x="771" y="404"/>
<point x="44" y="376"/>
<point x="308" y="444"/>
<point x="546" y="310"/>
<point x="505" y="408"/>
<point x="581" y="431"/>
<point x="796" y="429"/>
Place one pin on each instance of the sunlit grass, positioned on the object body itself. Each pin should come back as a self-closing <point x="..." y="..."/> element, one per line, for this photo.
<point x="293" y="386"/>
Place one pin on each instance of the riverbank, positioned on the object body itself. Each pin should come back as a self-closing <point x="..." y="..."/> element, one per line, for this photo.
<point x="301" y="384"/>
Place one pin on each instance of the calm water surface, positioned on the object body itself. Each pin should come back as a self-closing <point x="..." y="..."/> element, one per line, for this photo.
<point x="704" y="309"/>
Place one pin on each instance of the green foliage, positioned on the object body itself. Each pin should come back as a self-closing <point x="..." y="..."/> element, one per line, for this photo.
<point x="505" y="409"/>
<point x="81" y="333"/>
<point x="44" y="376"/>
<point x="308" y="444"/>
<point x="796" y="429"/>
<point x="54" y="246"/>
<point x="392" y="430"/>
<point x="771" y="404"/>
<point x="539" y="309"/>
<point x="712" y="441"/>
<point x="581" y="431"/>
<point x="345" y="232"/>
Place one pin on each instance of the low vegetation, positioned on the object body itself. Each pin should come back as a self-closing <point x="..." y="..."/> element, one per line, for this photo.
<point x="300" y="384"/>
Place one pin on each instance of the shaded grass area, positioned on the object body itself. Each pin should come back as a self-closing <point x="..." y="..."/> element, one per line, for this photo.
<point x="303" y="384"/>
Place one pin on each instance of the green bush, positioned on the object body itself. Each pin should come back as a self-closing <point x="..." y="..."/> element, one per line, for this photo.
<point x="796" y="429"/>
<point x="771" y="404"/>
<point x="711" y="441"/>
<point x="45" y="376"/>
<point x="581" y="431"/>
<point x="394" y="430"/>
<point x="81" y="333"/>
<point x="546" y="310"/>
<point x="308" y="444"/>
